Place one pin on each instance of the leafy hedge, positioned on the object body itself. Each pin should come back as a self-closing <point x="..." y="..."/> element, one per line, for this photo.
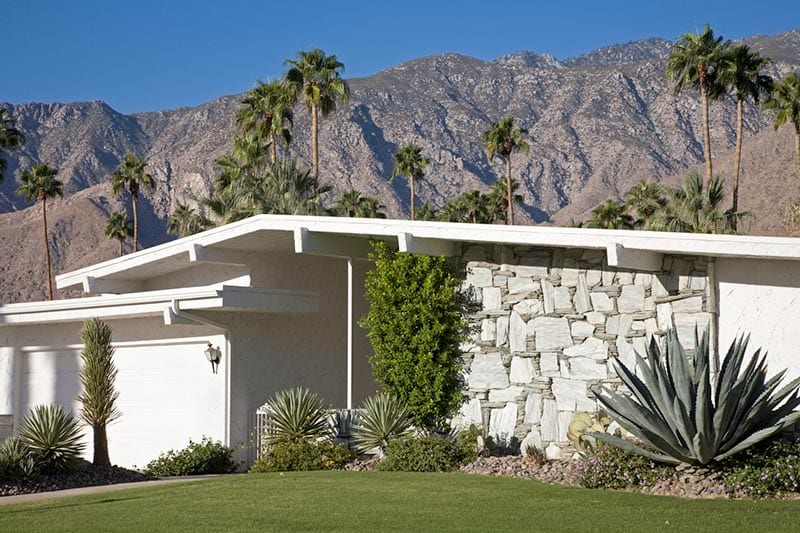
<point x="291" y="456"/>
<point x="204" y="457"/>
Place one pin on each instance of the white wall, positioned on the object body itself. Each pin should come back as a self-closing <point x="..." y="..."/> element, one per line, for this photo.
<point x="762" y="298"/>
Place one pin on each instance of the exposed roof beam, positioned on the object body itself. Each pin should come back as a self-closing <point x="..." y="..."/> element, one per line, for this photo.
<point x="621" y="257"/>
<point x="203" y="254"/>
<point x="407" y="242"/>
<point x="313" y="242"/>
<point x="93" y="285"/>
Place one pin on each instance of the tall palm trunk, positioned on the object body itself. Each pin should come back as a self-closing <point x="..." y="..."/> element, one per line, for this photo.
<point x="737" y="159"/>
<point x="706" y="128"/>
<point x="510" y="218"/>
<point x="120" y="247"/>
<point x="100" y="446"/>
<point x="43" y="199"/>
<point x="797" y="146"/>
<point x="411" y="180"/>
<point x="315" y="144"/>
<point x="134" y="198"/>
<point x="273" y="148"/>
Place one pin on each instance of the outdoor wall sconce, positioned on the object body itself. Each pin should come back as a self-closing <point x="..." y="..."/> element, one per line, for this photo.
<point x="213" y="355"/>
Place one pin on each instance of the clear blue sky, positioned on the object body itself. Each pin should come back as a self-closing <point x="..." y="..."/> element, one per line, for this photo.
<point x="147" y="55"/>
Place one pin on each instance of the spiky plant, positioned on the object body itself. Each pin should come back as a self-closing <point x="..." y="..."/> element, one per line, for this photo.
<point x="674" y="410"/>
<point x="53" y="437"/>
<point x="16" y="462"/>
<point x="97" y="376"/>
<point x="383" y="416"/>
<point x="297" y="415"/>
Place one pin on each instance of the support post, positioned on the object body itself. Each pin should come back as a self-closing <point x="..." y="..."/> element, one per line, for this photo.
<point x="349" y="333"/>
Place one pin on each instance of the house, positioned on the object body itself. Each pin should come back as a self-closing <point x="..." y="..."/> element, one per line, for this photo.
<point x="280" y="297"/>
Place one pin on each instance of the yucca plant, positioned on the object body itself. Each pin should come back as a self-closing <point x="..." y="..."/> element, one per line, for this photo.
<point x="16" y="462"/>
<point x="674" y="411"/>
<point x="382" y="417"/>
<point x="53" y="437"/>
<point x="297" y="415"/>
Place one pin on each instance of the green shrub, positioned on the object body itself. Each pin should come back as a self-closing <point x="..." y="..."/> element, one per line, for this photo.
<point x="415" y="327"/>
<point x="16" y="461"/>
<point x="290" y="456"/>
<point x="764" y="470"/>
<point x="204" y="457"/>
<point x="297" y="415"/>
<point x="609" y="467"/>
<point x="53" y="438"/>
<point x="470" y="442"/>
<point x="674" y="409"/>
<point x="382" y="417"/>
<point x="422" y="454"/>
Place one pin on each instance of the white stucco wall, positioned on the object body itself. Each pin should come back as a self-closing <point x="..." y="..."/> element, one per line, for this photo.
<point x="761" y="298"/>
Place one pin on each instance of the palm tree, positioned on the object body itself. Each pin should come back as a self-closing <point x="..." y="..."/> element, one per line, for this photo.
<point x="502" y="139"/>
<point x="287" y="189"/>
<point x="785" y="103"/>
<point x="645" y="198"/>
<point x="427" y="212"/>
<point x="185" y="221"/>
<point x="10" y="137"/>
<point x="131" y="174"/>
<point x="693" y="62"/>
<point x="453" y="211"/>
<point x="267" y="110"/>
<point x="97" y="376"/>
<point x="40" y="183"/>
<point x="498" y="199"/>
<point x="318" y="78"/>
<point x="740" y="71"/>
<point x="347" y="204"/>
<point x="476" y="206"/>
<point x="409" y="161"/>
<point x="610" y="215"/>
<point x="119" y="227"/>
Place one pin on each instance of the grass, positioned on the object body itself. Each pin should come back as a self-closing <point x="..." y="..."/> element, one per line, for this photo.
<point x="389" y="501"/>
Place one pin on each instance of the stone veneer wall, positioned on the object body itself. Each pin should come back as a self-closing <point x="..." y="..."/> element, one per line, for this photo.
<point x="544" y="325"/>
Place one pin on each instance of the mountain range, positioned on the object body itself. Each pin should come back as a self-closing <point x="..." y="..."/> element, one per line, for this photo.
<point x="597" y="124"/>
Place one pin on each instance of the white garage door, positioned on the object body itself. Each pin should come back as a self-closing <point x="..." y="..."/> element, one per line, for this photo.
<point x="167" y="395"/>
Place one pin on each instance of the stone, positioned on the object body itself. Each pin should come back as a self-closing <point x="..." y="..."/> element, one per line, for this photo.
<point x="592" y="348"/>
<point x="664" y="316"/>
<point x="583" y="303"/>
<point x="518" y="285"/>
<point x="571" y="395"/>
<point x="657" y="286"/>
<point x="595" y="318"/>
<point x="562" y="300"/>
<point x="488" y="330"/>
<point x="549" y="422"/>
<point x="528" y="307"/>
<point x="685" y="325"/>
<point x="533" y="408"/>
<point x="487" y="372"/>
<point x="608" y="277"/>
<point x="581" y="328"/>
<point x="593" y="277"/>
<point x="625" y="278"/>
<point x="650" y="327"/>
<point x="631" y="300"/>
<point x="619" y="325"/>
<point x="697" y="282"/>
<point x="693" y="304"/>
<point x="601" y="302"/>
<point x="553" y="452"/>
<point x="505" y="395"/>
<point x="551" y="333"/>
<point x="530" y="271"/>
<point x="522" y="370"/>
<point x="470" y="413"/>
<point x="547" y="297"/>
<point x="569" y="277"/>
<point x="502" y="423"/>
<point x="517" y="333"/>
<point x="650" y="303"/>
<point x="642" y="279"/>
<point x="583" y="368"/>
<point x="624" y="354"/>
<point x="548" y="364"/>
<point x="564" y="419"/>
<point x="479" y="277"/>
<point x="492" y="298"/>
<point x="532" y="440"/>
<point x="501" y="330"/>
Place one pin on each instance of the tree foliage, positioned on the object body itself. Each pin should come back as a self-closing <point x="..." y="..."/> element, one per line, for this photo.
<point x="415" y="327"/>
<point x="503" y="139"/>
<point x="409" y="161"/>
<point x="131" y="174"/>
<point x="10" y="137"/>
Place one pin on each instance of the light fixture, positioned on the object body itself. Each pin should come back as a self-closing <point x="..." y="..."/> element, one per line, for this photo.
<point x="213" y="355"/>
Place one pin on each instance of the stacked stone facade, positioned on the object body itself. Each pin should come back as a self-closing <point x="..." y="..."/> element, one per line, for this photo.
<point x="545" y="325"/>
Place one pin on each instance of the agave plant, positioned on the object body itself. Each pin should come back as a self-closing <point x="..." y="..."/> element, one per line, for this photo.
<point x="674" y="410"/>
<point x="53" y="437"/>
<point x="297" y="415"/>
<point x="16" y="461"/>
<point x="382" y="417"/>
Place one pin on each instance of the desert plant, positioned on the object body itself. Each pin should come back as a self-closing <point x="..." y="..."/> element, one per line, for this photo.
<point x="609" y="467"/>
<point x="198" y="458"/>
<point x="581" y="424"/>
<point x="295" y="456"/>
<point x="427" y="453"/>
<point x="535" y="454"/>
<point x="53" y="437"/>
<point x="675" y="410"/>
<point x="97" y="376"/>
<point x="16" y="461"/>
<point x="764" y="469"/>
<point x="382" y="417"/>
<point x="296" y="415"/>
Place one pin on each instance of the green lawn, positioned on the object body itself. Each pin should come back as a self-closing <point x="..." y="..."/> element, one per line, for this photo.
<point x="377" y="501"/>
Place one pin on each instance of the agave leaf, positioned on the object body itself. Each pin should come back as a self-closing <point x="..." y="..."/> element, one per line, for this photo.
<point x="759" y="436"/>
<point x="633" y="448"/>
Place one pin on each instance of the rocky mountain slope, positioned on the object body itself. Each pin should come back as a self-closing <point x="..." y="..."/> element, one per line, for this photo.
<point x="597" y="123"/>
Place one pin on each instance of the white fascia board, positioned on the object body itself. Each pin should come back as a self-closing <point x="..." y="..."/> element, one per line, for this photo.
<point x="268" y="300"/>
<point x="330" y="244"/>
<point x="635" y="259"/>
<point x="204" y="254"/>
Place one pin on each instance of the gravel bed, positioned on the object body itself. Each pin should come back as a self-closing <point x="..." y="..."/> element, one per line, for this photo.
<point x="88" y="476"/>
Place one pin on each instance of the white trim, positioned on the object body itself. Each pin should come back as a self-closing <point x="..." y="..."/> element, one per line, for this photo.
<point x="349" y="332"/>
